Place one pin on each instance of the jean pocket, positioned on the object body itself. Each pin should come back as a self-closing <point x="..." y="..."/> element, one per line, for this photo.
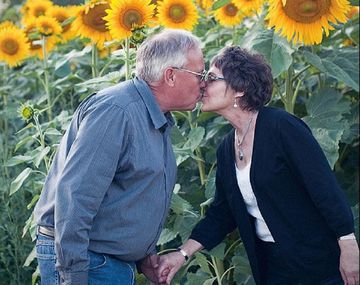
<point x="45" y="248"/>
<point x="97" y="260"/>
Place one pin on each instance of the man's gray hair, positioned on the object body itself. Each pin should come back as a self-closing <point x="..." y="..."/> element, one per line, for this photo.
<point x="168" y="48"/>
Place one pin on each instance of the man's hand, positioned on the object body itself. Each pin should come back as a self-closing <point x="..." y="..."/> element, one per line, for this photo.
<point x="148" y="266"/>
<point x="169" y="264"/>
<point x="349" y="261"/>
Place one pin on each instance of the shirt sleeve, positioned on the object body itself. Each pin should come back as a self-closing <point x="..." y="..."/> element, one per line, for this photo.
<point x="101" y="141"/>
<point x="308" y="162"/>
<point x="218" y="221"/>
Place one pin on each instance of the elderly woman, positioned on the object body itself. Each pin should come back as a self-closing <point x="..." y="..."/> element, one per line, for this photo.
<point x="273" y="183"/>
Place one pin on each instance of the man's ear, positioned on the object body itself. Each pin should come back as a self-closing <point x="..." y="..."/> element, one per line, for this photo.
<point x="169" y="76"/>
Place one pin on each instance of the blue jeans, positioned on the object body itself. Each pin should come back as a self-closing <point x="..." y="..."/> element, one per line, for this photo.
<point x="104" y="269"/>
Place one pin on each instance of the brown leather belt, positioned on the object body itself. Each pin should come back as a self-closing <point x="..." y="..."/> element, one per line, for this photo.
<point x="46" y="231"/>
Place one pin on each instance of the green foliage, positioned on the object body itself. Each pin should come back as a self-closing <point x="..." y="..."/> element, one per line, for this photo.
<point x="319" y="84"/>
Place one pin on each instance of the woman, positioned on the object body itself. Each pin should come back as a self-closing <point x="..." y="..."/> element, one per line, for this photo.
<point x="273" y="183"/>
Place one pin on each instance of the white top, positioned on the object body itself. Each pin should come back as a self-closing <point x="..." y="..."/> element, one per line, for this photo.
<point x="243" y="180"/>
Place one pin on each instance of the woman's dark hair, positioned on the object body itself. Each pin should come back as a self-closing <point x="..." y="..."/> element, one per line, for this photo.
<point x="248" y="73"/>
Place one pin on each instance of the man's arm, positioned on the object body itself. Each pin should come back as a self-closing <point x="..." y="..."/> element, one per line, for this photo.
<point x="88" y="172"/>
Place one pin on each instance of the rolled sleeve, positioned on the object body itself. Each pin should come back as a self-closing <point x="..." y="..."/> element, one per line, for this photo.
<point x="102" y="140"/>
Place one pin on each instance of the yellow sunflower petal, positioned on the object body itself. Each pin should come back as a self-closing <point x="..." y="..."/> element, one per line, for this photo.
<point x="177" y="14"/>
<point x="304" y="21"/>
<point x="229" y="15"/>
<point x="13" y="46"/>
<point x="249" y="6"/>
<point x="62" y="14"/>
<point x="90" y="23"/>
<point x="125" y="15"/>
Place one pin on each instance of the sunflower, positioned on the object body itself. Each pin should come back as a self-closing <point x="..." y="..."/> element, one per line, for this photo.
<point x="62" y="15"/>
<point x="7" y="25"/>
<point x="35" y="9"/>
<point x="33" y="37"/>
<point x="249" y="6"/>
<point x="354" y="11"/>
<point x="305" y="20"/>
<point x="125" y="15"/>
<point x="177" y="14"/>
<point x="229" y="15"/>
<point x="13" y="46"/>
<point x="205" y="5"/>
<point x="89" y="22"/>
<point x="48" y="26"/>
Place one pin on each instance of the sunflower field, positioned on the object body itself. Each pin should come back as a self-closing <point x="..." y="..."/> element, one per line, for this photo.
<point x="53" y="54"/>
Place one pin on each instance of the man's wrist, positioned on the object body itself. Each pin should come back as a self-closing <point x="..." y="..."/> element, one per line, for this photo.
<point x="347" y="237"/>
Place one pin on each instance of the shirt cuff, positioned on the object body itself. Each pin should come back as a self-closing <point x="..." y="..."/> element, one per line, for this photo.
<point x="73" y="278"/>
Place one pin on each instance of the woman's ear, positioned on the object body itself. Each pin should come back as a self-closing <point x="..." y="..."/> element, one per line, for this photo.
<point x="239" y="95"/>
<point x="169" y="76"/>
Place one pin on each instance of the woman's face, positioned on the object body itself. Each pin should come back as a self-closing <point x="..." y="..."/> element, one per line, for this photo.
<point x="217" y="96"/>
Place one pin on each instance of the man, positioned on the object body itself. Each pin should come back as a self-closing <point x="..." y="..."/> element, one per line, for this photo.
<point x="108" y="191"/>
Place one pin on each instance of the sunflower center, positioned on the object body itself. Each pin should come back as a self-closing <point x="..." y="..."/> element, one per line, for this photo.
<point x="94" y="18"/>
<point x="230" y="10"/>
<point x="177" y="13"/>
<point x="131" y="19"/>
<point x="39" y="11"/>
<point x="306" y="11"/>
<point x="47" y="30"/>
<point x="10" y="46"/>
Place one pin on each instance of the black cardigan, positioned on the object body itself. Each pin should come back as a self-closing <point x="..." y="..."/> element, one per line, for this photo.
<point x="297" y="194"/>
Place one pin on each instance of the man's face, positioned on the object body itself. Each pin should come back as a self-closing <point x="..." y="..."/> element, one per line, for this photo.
<point x="188" y="83"/>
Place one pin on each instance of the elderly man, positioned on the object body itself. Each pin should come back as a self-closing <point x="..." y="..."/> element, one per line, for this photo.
<point x="108" y="191"/>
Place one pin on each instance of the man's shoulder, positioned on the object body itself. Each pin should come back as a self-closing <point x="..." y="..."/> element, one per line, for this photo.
<point x="121" y="95"/>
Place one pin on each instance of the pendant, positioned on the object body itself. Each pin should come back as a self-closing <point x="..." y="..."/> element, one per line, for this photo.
<point x="241" y="154"/>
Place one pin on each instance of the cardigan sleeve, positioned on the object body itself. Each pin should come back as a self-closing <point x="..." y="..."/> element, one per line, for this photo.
<point x="218" y="221"/>
<point x="308" y="162"/>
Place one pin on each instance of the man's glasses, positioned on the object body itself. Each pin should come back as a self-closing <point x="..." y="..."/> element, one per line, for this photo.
<point x="200" y="75"/>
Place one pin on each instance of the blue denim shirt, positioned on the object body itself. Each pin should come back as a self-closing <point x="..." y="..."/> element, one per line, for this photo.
<point x="110" y="183"/>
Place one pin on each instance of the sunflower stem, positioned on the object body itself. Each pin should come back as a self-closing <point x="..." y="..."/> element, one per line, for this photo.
<point x="94" y="61"/>
<point x="6" y="126"/>
<point x="127" y="58"/>
<point x="289" y="92"/>
<point x="46" y="78"/>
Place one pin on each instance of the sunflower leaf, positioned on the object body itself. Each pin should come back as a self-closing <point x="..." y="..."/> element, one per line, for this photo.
<point x="220" y="3"/>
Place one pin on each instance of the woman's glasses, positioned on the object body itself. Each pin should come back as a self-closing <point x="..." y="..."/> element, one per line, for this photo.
<point x="211" y="77"/>
<point x="202" y="76"/>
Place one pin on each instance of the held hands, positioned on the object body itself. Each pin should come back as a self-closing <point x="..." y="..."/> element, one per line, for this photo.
<point x="169" y="265"/>
<point x="149" y="266"/>
<point x="349" y="261"/>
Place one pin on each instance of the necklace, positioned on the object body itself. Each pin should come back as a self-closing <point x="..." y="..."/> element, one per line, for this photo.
<point x="240" y="142"/>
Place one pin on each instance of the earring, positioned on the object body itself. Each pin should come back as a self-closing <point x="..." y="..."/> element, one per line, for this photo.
<point x="235" y="103"/>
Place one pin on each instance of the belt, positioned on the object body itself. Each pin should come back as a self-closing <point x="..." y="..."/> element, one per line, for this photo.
<point x="46" y="231"/>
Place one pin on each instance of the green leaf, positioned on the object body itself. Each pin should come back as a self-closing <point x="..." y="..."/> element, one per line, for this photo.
<point x="23" y="142"/>
<point x="218" y="251"/>
<point x="201" y="260"/>
<point x="15" y="160"/>
<point x="326" y="111"/>
<point x="166" y="236"/>
<point x="276" y="49"/>
<point x="341" y="65"/>
<point x="31" y="257"/>
<point x="220" y="3"/>
<point x="210" y="281"/>
<point x="179" y="205"/>
<point x="196" y="278"/>
<point x="351" y="132"/>
<point x="19" y="180"/>
<point x="40" y="156"/>
<point x="195" y="138"/>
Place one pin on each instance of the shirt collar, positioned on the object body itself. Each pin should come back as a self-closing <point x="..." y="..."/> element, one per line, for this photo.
<point x="158" y="118"/>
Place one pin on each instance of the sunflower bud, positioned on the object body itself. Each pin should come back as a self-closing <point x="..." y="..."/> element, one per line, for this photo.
<point x="26" y="112"/>
<point x="138" y="35"/>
